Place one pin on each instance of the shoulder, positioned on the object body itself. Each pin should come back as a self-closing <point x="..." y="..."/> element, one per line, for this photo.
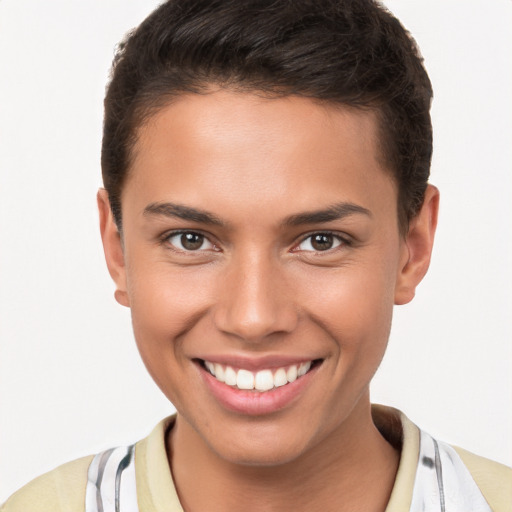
<point x="60" y="490"/>
<point x="430" y="468"/>
<point x="493" y="479"/>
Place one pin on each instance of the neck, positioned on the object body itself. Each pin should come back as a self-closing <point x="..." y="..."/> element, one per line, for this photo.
<point x="353" y="468"/>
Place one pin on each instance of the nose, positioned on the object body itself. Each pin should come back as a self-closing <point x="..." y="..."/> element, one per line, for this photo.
<point x="255" y="300"/>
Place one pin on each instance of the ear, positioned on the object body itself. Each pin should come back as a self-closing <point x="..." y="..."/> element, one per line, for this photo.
<point x="417" y="248"/>
<point x="113" y="248"/>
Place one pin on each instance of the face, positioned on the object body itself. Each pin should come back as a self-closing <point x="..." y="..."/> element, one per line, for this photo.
<point x="261" y="259"/>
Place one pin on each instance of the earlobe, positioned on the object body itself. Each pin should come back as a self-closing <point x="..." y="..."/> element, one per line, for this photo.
<point x="417" y="248"/>
<point x="113" y="248"/>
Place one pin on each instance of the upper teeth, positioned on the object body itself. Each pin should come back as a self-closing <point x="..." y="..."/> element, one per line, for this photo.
<point x="262" y="380"/>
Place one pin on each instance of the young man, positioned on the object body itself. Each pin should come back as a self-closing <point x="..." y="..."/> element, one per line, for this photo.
<point x="266" y="205"/>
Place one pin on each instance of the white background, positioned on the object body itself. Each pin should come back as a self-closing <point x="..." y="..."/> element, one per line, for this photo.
<point x="71" y="382"/>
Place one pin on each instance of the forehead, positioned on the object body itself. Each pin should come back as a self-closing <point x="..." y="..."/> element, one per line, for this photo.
<point x="238" y="147"/>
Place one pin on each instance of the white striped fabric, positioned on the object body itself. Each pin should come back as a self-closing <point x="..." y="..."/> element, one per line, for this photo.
<point x="443" y="483"/>
<point x="111" y="485"/>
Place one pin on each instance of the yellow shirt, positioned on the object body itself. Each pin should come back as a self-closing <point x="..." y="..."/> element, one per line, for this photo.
<point x="64" y="488"/>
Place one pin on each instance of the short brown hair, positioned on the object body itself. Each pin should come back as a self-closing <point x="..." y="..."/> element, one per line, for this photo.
<point x="349" y="52"/>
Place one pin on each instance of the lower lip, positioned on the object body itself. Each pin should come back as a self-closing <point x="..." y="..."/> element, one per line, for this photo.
<point x="256" y="403"/>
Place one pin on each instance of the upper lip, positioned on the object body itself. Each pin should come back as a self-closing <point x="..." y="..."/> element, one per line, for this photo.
<point x="257" y="363"/>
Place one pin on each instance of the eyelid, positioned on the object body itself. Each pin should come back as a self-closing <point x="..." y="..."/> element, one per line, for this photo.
<point x="165" y="239"/>
<point x="343" y="238"/>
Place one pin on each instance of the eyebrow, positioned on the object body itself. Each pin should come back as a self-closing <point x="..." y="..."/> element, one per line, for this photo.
<point x="334" y="212"/>
<point x="183" y="212"/>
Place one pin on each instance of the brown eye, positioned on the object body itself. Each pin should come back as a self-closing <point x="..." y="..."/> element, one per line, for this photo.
<point x="190" y="241"/>
<point x="320" y="242"/>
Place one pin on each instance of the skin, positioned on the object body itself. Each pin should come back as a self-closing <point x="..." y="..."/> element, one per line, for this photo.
<point x="256" y="288"/>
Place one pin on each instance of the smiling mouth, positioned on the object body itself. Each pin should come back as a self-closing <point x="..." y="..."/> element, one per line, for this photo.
<point x="262" y="380"/>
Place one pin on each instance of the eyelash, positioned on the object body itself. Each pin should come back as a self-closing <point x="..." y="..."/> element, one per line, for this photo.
<point x="166" y="239"/>
<point x="343" y="241"/>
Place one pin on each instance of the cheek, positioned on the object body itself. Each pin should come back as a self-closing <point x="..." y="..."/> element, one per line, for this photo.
<point x="165" y="305"/>
<point x="354" y="305"/>
<point x="167" y="298"/>
<point x="360" y="296"/>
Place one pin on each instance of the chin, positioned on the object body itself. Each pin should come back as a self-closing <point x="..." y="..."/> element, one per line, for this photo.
<point x="259" y="447"/>
<point x="258" y="456"/>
